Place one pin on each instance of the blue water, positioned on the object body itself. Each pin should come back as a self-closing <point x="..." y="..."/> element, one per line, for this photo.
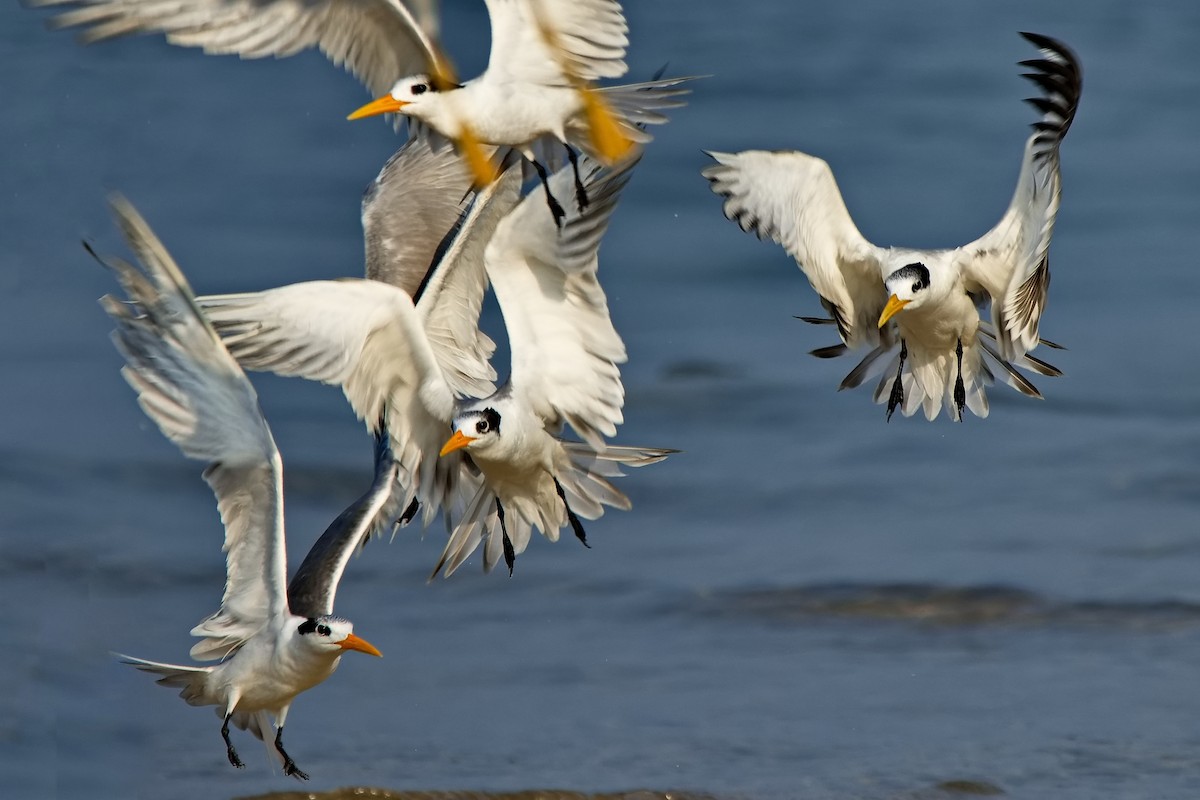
<point x="805" y="603"/>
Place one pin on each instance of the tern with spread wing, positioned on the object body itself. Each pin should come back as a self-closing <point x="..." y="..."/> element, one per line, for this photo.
<point x="274" y="640"/>
<point x="536" y="88"/>
<point x="924" y="302"/>
<point x="395" y="359"/>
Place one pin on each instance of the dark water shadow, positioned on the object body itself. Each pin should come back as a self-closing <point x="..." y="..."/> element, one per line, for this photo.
<point x="950" y="606"/>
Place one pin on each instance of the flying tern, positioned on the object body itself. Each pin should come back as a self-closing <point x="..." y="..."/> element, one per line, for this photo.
<point x="370" y="338"/>
<point x="924" y="302"/>
<point x="537" y="86"/>
<point x="274" y="640"/>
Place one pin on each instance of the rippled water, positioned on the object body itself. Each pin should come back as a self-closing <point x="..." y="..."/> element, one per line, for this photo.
<point x="807" y="602"/>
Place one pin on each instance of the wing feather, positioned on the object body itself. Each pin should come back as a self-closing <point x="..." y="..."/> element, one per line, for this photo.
<point x="378" y="41"/>
<point x="201" y="400"/>
<point x="565" y="351"/>
<point x="590" y="35"/>
<point x="1011" y="262"/>
<point x="792" y="199"/>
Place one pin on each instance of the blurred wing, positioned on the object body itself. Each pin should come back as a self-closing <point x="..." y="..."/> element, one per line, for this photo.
<point x="379" y="41"/>
<point x="565" y="350"/>
<point x="590" y="35"/>
<point x="792" y="199"/>
<point x="450" y="296"/>
<point x="1011" y="261"/>
<point x="312" y="590"/>
<point x="201" y="400"/>
<point x="366" y="337"/>
<point x="410" y="210"/>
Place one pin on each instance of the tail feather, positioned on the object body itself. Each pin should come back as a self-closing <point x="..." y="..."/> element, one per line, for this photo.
<point x="191" y="681"/>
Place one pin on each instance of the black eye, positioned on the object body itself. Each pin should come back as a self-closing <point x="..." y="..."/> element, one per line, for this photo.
<point x="481" y="426"/>
<point x="419" y="88"/>
<point x="323" y="630"/>
<point x="917" y="286"/>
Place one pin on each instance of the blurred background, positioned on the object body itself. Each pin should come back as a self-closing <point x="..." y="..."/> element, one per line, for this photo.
<point x="804" y="603"/>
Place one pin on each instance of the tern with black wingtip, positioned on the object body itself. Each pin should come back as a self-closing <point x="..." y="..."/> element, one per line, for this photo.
<point x="273" y="640"/>
<point x="925" y="304"/>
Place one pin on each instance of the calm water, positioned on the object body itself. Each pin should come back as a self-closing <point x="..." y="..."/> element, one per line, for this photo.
<point x="807" y="602"/>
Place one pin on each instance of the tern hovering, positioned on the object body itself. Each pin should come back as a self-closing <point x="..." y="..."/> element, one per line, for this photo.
<point x="395" y="360"/>
<point x="274" y="640"/>
<point x="536" y="89"/>
<point x="926" y="302"/>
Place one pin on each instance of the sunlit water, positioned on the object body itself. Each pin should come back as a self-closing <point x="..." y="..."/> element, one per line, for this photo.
<point x="805" y="603"/>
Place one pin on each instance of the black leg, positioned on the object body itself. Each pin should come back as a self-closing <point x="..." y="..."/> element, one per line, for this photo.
<point x="960" y="390"/>
<point x="896" y="399"/>
<point x="510" y="555"/>
<point x="576" y="525"/>
<point x="289" y="766"/>
<point x="555" y="208"/>
<point x="410" y="512"/>
<point x="580" y="193"/>
<point x="229" y="751"/>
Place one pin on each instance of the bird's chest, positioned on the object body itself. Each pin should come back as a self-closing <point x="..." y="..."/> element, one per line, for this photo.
<point x="270" y="679"/>
<point x="940" y="325"/>
<point x="517" y="113"/>
<point x="519" y="464"/>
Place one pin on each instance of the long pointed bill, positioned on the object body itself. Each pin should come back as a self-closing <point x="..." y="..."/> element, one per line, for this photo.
<point x="384" y="105"/>
<point x="894" y="306"/>
<point x="609" y="142"/>
<point x="458" y="441"/>
<point x="352" y="642"/>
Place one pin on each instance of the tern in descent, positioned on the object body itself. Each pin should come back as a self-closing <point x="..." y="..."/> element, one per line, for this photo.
<point x="927" y="303"/>
<point x="273" y="640"/>
<point x="395" y="361"/>
<point x="536" y="94"/>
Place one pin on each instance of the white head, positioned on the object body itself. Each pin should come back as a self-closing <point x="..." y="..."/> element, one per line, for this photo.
<point x="332" y="636"/>
<point x="412" y="96"/>
<point x="474" y="429"/>
<point x="907" y="287"/>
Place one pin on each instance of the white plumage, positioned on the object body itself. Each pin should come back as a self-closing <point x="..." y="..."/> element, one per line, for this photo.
<point x="923" y="302"/>
<point x="273" y="640"/>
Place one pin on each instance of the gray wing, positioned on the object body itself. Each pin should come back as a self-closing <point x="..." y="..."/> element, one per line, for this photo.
<point x="196" y="394"/>
<point x="312" y="590"/>
<point x="379" y="41"/>
<point x="1011" y="262"/>
<point x="410" y="209"/>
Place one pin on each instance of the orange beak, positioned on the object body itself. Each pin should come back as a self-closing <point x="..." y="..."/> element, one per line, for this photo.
<point x="353" y="642"/>
<point x="384" y="105"/>
<point x="894" y="306"/>
<point x="458" y="441"/>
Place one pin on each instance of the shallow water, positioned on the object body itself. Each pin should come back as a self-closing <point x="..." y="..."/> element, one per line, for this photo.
<point x="805" y="603"/>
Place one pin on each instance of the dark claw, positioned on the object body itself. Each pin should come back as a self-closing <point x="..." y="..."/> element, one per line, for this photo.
<point x="289" y="766"/>
<point x="581" y="196"/>
<point x="555" y="208"/>
<point x="576" y="525"/>
<point x="896" y="398"/>
<point x="229" y="751"/>
<point x="409" y="513"/>
<point x="510" y="554"/>
<point x="960" y="390"/>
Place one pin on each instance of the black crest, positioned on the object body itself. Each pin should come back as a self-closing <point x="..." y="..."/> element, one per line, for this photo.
<point x="916" y="272"/>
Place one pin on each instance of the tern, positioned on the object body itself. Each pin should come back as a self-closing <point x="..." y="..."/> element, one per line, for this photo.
<point x="925" y="302"/>
<point x="274" y="640"/>
<point x="536" y="89"/>
<point x="370" y="338"/>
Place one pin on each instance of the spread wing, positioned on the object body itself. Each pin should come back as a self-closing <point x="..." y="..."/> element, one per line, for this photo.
<point x="565" y="350"/>
<point x="589" y="35"/>
<point x="379" y="41"/>
<point x="363" y="336"/>
<point x="792" y="199"/>
<point x="201" y="400"/>
<point x="1011" y="262"/>
<point x="312" y="590"/>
